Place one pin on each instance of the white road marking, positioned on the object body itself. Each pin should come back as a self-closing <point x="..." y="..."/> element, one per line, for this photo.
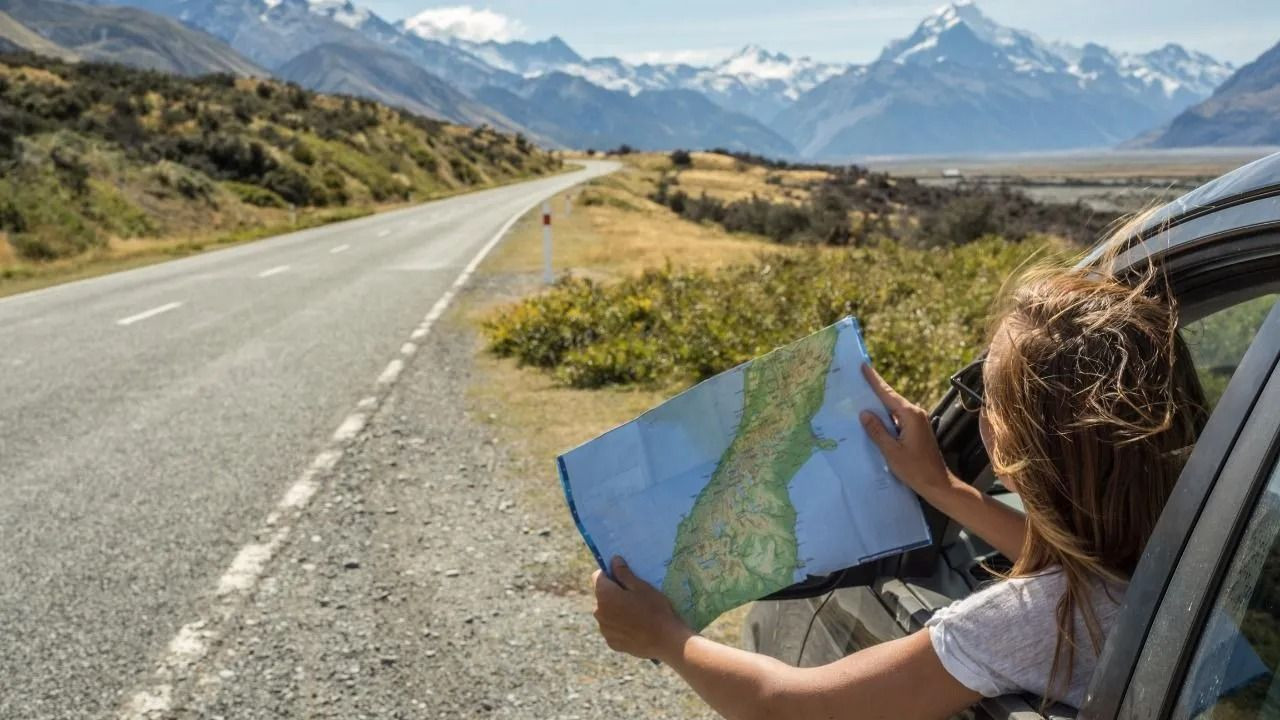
<point x="349" y="427"/>
<point x="340" y="248"/>
<point x="249" y="563"/>
<point x="408" y="349"/>
<point x="326" y="460"/>
<point x="273" y="271"/>
<point x="149" y="313"/>
<point x="392" y="372"/>
<point x="384" y="233"/>
<point x="191" y="644"/>
<point x="299" y="493"/>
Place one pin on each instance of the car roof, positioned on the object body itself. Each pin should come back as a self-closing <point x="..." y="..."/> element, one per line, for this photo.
<point x="1246" y="197"/>
<point x="1259" y="177"/>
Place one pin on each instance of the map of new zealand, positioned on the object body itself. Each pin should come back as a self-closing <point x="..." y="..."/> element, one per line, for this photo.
<point x="748" y="482"/>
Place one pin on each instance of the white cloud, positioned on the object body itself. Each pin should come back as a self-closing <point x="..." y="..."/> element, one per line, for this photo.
<point x="466" y="23"/>
<point x="689" y="57"/>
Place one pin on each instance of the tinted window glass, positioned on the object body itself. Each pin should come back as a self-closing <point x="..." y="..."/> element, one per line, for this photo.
<point x="1234" y="673"/>
<point x="1218" y="341"/>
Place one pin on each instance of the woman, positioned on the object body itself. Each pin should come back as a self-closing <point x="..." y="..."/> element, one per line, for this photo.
<point x="1088" y="407"/>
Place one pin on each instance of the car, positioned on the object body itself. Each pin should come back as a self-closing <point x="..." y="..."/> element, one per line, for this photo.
<point x="1198" y="634"/>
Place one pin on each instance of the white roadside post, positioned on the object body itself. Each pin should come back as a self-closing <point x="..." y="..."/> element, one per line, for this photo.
<point x="568" y="204"/>
<point x="547" y="276"/>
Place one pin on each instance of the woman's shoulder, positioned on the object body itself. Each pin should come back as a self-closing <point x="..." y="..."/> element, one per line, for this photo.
<point x="1034" y="592"/>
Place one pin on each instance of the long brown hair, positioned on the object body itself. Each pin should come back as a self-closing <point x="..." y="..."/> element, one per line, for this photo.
<point x="1092" y="406"/>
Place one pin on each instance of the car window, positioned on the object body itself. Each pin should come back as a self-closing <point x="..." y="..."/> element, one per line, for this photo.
<point x="1233" y="675"/>
<point x="1218" y="341"/>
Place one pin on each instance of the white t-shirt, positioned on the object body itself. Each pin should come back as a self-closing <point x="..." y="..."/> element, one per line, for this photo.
<point x="1001" y="639"/>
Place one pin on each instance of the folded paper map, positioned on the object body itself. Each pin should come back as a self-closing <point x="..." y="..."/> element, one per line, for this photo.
<point x="748" y="482"/>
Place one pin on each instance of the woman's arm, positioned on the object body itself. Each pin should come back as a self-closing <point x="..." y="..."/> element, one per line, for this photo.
<point x="915" y="459"/>
<point x="902" y="679"/>
<point x="1003" y="527"/>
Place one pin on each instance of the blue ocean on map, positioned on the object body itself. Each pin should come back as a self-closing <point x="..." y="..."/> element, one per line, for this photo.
<point x="655" y="465"/>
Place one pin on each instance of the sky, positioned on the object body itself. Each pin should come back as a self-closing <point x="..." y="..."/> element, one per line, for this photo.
<point x="702" y="31"/>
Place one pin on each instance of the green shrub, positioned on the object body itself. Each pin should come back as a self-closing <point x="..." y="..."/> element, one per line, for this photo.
<point x="44" y="220"/>
<point x="302" y="153"/>
<point x="254" y="194"/>
<point x="289" y="184"/>
<point x="115" y="214"/>
<point x="186" y="182"/>
<point x="923" y="311"/>
<point x="49" y="243"/>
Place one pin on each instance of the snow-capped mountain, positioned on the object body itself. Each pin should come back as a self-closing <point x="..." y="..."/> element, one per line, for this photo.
<point x="529" y="59"/>
<point x="340" y="11"/>
<point x="962" y="82"/>
<point x="959" y="33"/>
<point x="1175" y="70"/>
<point x="757" y="67"/>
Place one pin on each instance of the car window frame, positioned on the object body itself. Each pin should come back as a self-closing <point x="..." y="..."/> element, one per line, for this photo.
<point x="1139" y="673"/>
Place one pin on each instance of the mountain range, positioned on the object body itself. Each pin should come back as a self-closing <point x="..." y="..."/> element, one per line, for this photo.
<point x="1241" y="111"/>
<point x="959" y="83"/>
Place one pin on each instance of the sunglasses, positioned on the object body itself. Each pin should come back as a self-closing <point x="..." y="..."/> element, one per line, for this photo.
<point x="968" y="386"/>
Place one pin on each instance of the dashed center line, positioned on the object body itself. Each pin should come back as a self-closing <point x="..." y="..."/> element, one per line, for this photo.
<point x="340" y="248"/>
<point x="149" y="313"/>
<point x="273" y="271"/>
<point x="392" y="372"/>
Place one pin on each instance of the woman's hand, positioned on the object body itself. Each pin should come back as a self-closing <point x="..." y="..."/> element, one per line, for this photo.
<point x="913" y="455"/>
<point x="635" y="618"/>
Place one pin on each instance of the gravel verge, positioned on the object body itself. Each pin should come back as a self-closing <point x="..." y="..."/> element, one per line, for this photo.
<point x="417" y="585"/>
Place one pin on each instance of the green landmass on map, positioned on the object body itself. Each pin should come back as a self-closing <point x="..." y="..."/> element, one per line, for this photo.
<point x="738" y="542"/>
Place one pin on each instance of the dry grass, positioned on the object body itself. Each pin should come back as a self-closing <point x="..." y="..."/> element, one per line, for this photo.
<point x="727" y="178"/>
<point x="624" y="233"/>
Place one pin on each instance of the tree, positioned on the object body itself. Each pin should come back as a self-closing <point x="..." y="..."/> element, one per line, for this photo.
<point x="681" y="158"/>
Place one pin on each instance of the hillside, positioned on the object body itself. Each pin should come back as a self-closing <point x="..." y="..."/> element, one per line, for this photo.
<point x="388" y="78"/>
<point x="14" y="36"/>
<point x="577" y="113"/>
<point x="96" y="157"/>
<point x="121" y="35"/>
<point x="1243" y="111"/>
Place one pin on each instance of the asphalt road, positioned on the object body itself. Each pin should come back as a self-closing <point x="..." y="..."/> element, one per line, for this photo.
<point x="151" y="418"/>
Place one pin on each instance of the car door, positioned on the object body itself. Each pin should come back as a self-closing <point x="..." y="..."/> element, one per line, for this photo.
<point x="1226" y="290"/>
<point x="1199" y="635"/>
